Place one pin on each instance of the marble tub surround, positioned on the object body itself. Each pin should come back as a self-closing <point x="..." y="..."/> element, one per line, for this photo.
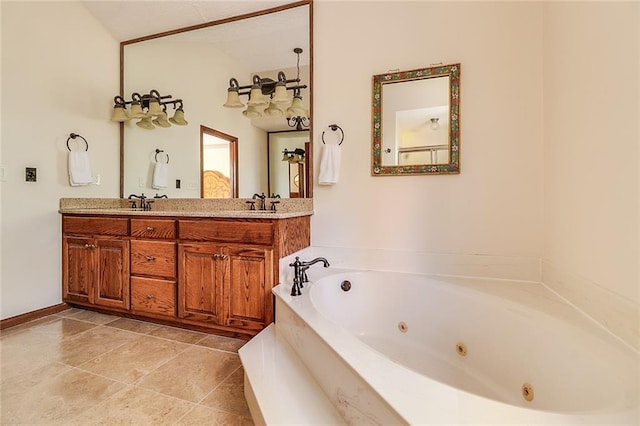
<point x="191" y="207"/>
<point x="516" y="268"/>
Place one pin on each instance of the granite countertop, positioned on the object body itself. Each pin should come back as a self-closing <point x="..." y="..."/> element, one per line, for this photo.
<point x="187" y="207"/>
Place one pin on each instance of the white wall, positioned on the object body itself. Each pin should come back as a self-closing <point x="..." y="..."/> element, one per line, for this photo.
<point x="59" y="75"/>
<point x="591" y="134"/>
<point x="495" y="205"/>
<point x="592" y="111"/>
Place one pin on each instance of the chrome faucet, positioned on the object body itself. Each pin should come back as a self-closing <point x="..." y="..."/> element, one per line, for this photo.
<point x="300" y="273"/>
<point x="262" y="198"/>
<point x="144" y="204"/>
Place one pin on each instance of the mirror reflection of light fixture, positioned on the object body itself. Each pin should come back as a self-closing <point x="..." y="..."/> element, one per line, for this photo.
<point x="434" y="123"/>
<point x="294" y="156"/>
<point x="265" y="91"/>
<point x="150" y="108"/>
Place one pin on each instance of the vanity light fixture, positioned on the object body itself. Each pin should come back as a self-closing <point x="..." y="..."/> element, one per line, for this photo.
<point x="268" y="97"/>
<point x="434" y="123"/>
<point x="294" y="156"/>
<point x="150" y="108"/>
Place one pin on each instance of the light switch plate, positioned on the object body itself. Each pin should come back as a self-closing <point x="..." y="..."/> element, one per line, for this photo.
<point x="3" y="173"/>
<point x="30" y="174"/>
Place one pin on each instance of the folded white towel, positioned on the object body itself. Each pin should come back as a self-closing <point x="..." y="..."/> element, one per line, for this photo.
<point x="79" y="168"/>
<point x="330" y="164"/>
<point x="160" y="176"/>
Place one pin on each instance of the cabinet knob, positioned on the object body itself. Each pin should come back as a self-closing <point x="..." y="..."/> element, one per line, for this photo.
<point x="150" y="296"/>
<point x="150" y="258"/>
<point x="150" y="228"/>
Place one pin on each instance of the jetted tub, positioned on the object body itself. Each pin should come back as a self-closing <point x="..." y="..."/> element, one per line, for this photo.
<point x="417" y="349"/>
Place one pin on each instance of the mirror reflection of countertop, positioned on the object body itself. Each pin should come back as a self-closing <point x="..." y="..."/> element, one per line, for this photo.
<point x="220" y="208"/>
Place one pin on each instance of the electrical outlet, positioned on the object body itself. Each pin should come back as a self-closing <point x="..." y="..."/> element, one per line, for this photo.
<point x="141" y="182"/>
<point x="3" y="173"/>
<point x="30" y="174"/>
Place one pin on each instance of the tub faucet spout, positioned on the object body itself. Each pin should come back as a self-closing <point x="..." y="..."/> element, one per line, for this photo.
<point x="300" y="273"/>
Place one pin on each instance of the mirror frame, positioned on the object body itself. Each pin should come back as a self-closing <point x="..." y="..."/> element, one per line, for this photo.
<point x="453" y="167"/>
<point x="275" y="9"/>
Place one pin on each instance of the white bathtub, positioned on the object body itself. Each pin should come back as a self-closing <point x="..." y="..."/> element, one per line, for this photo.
<point x="391" y="350"/>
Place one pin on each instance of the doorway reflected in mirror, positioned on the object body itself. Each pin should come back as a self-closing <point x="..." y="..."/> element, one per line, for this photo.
<point x="218" y="164"/>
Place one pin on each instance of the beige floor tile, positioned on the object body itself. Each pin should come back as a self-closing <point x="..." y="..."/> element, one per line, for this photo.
<point x="223" y="343"/>
<point x="229" y="395"/>
<point x="22" y="327"/>
<point x="56" y="400"/>
<point x="192" y="375"/>
<point x="177" y="334"/>
<point x="93" y="343"/>
<point x="135" y="359"/>
<point x="134" y="406"/>
<point x="91" y="316"/>
<point x="22" y="381"/>
<point x="62" y="328"/>
<point x="69" y="312"/>
<point x="26" y="351"/>
<point x="207" y="416"/>
<point x="134" y="325"/>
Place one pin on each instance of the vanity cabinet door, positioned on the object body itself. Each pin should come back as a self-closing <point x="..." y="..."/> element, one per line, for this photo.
<point x="248" y="290"/>
<point x="112" y="270"/>
<point x="77" y="269"/>
<point x="96" y="271"/>
<point x="202" y="268"/>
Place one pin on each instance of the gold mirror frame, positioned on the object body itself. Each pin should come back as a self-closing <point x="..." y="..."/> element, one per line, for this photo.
<point x="453" y="167"/>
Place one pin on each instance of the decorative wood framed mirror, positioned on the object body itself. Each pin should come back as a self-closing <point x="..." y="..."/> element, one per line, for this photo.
<point x="416" y="122"/>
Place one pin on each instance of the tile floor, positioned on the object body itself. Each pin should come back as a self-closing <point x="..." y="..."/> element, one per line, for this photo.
<point x="80" y="367"/>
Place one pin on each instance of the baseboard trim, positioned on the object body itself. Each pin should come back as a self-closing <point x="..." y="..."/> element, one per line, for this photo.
<point x="30" y="316"/>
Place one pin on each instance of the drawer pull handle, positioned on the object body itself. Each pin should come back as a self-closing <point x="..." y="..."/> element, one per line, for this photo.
<point x="150" y="296"/>
<point x="91" y="246"/>
<point x="219" y="256"/>
<point x="150" y="228"/>
<point x="150" y="258"/>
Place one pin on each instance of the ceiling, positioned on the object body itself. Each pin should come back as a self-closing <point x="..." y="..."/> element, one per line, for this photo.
<point x="244" y="40"/>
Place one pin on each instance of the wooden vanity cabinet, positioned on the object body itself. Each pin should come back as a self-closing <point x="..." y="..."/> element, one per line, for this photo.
<point x="153" y="267"/>
<point x="227" y="282"/>
<point x="205" y="273"/>
<point x="226" y="285"/>
<point x="95" y="262"/>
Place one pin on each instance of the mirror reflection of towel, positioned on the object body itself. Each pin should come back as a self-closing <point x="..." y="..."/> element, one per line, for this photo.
<point x="79" y="168"/>
<point x="330" y="164"/>
<point x="160" y="176"/>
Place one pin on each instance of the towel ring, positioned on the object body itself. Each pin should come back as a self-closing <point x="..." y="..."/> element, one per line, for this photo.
<point x="158" y="151"/>
<point x="75" y="135"/>
<point x="334" y="127"/>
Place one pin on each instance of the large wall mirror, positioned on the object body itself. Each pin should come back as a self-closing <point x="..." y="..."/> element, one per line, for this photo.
<point x="416" y="122"/>
<point x="195" y="65"/>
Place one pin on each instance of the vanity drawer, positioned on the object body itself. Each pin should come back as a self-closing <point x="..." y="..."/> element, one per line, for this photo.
<point x="153" y="228"/>
<point x="153" y="295"/>
<point x="95" y="225"/>
<point x="157" y="258"/>
<point x="227" y="231"/>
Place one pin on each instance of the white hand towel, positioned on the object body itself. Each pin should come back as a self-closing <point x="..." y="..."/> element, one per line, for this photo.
<point x="79" y="168"/>
<point x="160" y="176"/>
<point x="330" y="164"/>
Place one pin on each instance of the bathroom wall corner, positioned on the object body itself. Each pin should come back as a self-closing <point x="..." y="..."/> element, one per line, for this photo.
<point x="616" y="314"/>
